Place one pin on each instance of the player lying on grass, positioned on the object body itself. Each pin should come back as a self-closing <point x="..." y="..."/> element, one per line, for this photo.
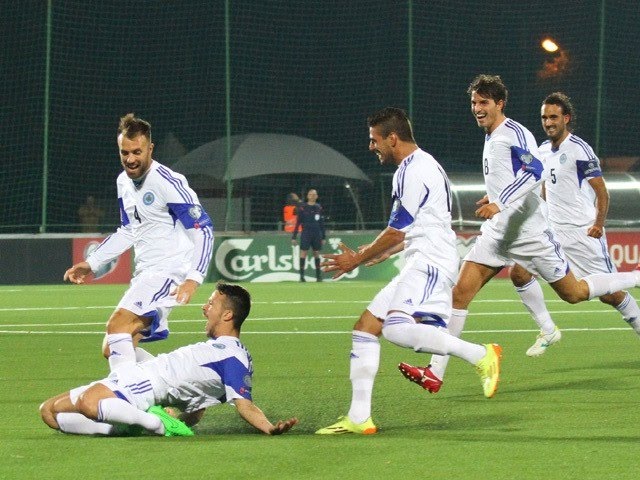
<point x="190" y="378"/>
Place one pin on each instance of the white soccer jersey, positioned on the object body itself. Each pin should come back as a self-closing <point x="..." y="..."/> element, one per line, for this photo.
<point x="422" y="210"/>
<point x="162" y="219"/>
<point x="200" y="375"/>
<point x="510" y="165"/>
<point x="570" y="198"/>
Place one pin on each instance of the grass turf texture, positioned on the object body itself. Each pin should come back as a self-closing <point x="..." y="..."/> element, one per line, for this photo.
<point x="570" y="414"/>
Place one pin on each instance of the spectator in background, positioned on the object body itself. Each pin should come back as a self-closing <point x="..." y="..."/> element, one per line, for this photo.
<point x="90" y="215"/>
<point x="290" y="212"/>
<point x="311" y="219"/>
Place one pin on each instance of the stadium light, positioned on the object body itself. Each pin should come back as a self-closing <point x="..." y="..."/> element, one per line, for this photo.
<point x="556" y="61"/>
<point x="549" y="45"/>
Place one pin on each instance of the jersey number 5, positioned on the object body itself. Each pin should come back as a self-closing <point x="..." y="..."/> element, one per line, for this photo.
<point x="552" y="175"/>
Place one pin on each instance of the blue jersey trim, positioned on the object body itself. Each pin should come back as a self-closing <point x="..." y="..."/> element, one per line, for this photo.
<point x="517" y="128"/>
<point x="151" y="334"/>
<point x="190" y="215"/>
<point x="177" y="184"/>
<point x="234" y="374"/>
<point x="400" y="217"/>
<point x="124" y="218"/>
<point x="431" y="319"/>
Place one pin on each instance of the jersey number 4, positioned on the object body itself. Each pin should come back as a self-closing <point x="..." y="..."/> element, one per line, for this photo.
<point x="136" y="215"/>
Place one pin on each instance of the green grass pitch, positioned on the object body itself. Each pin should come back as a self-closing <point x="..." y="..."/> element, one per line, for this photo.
<point x="570" y="414"/>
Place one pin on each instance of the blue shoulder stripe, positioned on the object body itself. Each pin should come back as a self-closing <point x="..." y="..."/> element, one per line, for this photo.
<point x="177" y="184"/>
<point x="516" y="127"/>
<point x="588" y="151"/>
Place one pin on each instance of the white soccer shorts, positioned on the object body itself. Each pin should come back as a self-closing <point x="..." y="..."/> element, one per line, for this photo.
<point x="148" y="296"/>
<point x="586" y="255"/>
<point x="419" y="290"/>
<point x="540" y="254"/>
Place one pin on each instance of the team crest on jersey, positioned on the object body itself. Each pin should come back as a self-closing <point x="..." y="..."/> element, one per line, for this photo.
<point x="195" y="211"/>
<point x="563" y="158"/>
<point x="148" y="198"/>
<point x="526" y="158"/>
<point x="219" y="345"/>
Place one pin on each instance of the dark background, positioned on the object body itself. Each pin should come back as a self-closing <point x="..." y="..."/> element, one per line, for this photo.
<point x="315" y="69"/>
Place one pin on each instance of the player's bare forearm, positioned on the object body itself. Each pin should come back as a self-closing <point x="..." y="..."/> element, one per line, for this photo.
<point x="77" y="273"/>
<point x="185" y="291"/>
<point x="487" y="211"/>
<point x="250" y="412"/>
<point x="386" y="240"/>
<point x="385" y="255"/>
<point x="348" y="260"/>
<point x="602" y="206"/>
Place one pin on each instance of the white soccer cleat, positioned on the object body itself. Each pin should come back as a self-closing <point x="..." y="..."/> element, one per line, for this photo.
<point x="544" y="341"/>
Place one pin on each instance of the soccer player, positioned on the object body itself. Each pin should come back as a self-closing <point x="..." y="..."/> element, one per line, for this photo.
<point x="413" y="309"/>
<point x="311" y="219"/>
<point x="172" y="236"/>
<point x="516" y="229"/>
<point x="578" y="201"/>
<point x="191" y="378"/>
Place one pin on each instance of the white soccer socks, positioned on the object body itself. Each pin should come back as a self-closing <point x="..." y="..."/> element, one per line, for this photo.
<point x="121" y="349"/>
<point x="365" y="360"/>
<point x="401" y="329"/>
<point x="533" y="299"/>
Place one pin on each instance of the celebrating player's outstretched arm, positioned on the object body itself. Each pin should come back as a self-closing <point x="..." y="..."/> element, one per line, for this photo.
<point x="77" y="273"/>
<point x="254" y="416"/>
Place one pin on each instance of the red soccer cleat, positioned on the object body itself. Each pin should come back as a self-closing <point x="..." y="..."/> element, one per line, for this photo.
<point x="422" y="376"/>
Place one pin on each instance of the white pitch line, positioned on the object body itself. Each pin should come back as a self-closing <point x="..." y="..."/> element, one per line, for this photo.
<point x="313" y="332"/>
<point x="298" y="318"/>
<point x="195" y="305"/>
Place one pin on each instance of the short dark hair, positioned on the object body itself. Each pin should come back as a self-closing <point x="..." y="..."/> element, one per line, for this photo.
<point x="132" y="126"/>
<point x="238" y="300"/>
<point x="489" y="86"/>
<point x="564" y="102"/>
<point x="392" y="120"/>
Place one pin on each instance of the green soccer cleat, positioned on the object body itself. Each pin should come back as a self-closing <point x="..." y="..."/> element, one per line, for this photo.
<point x="172" y="426"/>
<point x="489" y="369"/>
<point x="544" y="341"/>
<point x="344" y="425"/>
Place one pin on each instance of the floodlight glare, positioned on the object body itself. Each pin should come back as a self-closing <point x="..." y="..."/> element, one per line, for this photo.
<point x="549" y="45"/>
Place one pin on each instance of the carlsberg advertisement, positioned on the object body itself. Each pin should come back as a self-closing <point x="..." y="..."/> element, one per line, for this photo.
<point x="272" y="258"/>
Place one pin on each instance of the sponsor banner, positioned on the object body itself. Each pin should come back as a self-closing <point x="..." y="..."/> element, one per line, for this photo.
<point x="272" y="258"/>
<point x="624" y="250"/>
<point x="117" y="271"/>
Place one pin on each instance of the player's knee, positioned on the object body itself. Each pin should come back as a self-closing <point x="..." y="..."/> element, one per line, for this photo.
<point x="460" y="298"/>
<point x="520" y="277"/>
<point x="368" y="323"/>
<point x="48" y="414"/>
<point x="86" y="406"/>
<point x="123" y="321"/>
<point x="572" y="297"/>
